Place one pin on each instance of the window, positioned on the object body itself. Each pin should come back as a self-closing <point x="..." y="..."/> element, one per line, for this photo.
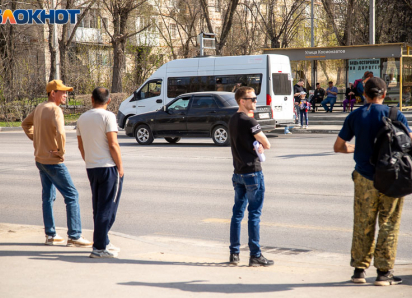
<point x="231" y="82"/>
<point x="204" y="102"/>
<point x="179" y="105"/>
<point x="173" y="31"/>
<point x="180" y="85"/>
<point x="151" y="89"/>
<point x="281" y="84"/>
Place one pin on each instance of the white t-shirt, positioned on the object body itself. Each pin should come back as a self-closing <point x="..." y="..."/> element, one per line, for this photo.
<point x="92" y="126"/>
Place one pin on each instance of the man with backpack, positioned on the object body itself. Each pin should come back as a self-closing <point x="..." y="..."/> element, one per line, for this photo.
<point x="370" y="203"/>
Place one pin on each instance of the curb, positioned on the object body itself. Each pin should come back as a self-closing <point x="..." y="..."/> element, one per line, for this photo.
<point x="69" y="127"/>
<point x="317" y="131"/>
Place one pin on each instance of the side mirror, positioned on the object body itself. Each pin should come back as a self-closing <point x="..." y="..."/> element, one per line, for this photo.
<point x="136" y="95"/>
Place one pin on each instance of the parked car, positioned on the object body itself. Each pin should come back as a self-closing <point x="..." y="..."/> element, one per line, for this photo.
<point x="200" y="114"/>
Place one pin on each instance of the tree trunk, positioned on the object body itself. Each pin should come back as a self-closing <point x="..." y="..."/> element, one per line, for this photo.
<point x="52" y="54"/>
<point x="274" y="43"/>
<point x="118" y="65"/>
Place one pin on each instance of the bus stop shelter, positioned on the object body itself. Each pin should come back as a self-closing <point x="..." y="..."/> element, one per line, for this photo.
<point x="390" y="62"/>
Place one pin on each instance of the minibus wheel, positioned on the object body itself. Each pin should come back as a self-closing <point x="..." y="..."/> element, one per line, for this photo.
<point x="172" y="140"/>
<point x="220" y="136"/>
<point x="144" y="135"/>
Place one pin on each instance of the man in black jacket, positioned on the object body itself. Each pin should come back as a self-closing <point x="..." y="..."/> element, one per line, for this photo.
<point x="317" y="97"/>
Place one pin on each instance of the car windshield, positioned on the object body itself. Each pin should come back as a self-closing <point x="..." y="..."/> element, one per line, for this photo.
<point x="229" y="99"/>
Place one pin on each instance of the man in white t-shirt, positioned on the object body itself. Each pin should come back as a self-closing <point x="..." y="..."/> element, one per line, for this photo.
<point x="97" y="138"/>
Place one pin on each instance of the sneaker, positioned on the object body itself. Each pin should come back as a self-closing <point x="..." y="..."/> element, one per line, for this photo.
<point x="102" y="253"/>
<point x="358" y="276"/>
<point x="112" y="248"/>
<point x="53" y="240"/>
<point x="387" y="279"/>
<point x="260" y="261"/>
<point x="307" y="126"/>
<point x="301" y="126"/>
<point x="234" y="259"/>
<point x="81" y="242"/>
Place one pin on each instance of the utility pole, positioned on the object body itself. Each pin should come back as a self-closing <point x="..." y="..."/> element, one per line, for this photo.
<point x="371" y="21"/>
<point x="312" y="44"/>
<point x="55" y="45"/>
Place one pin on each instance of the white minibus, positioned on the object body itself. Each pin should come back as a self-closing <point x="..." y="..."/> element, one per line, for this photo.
<point x="270" y="75"/>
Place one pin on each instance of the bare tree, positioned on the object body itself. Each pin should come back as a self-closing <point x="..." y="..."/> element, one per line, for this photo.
<point x="66" y="39"/>
<point x="279" y="20"/>
<point x="121" y="12"/>
<point x="341" y="16"/>
<point x="228" y="14"/>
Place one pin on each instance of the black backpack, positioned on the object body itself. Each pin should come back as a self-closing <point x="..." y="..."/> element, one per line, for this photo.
<point x="393" y="164"/>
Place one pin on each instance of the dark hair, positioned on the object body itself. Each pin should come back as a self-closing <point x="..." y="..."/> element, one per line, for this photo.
<point x="330" y="82"/>
<point x="241" y="92"/>
<point x="317" y="84"/>
<point x="301" y="80"/>
<point x="375" y="87"/>
<point x="100" y="95"/>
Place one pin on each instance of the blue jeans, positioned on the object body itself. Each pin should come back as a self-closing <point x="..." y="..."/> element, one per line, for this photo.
<point x="57" y="176"/>
<point x="329" y="100"/>
<point x="304" y="113"/>
<point x="249" y="188"/>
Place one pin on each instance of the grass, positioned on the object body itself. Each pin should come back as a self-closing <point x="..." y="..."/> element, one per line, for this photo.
<point x="75" y="103"/>
<point x="10" y="124"/>
<point x="71" y="118"/>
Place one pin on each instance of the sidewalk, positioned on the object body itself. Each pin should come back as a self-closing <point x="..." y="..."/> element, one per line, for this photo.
<point x="156" y="266"/>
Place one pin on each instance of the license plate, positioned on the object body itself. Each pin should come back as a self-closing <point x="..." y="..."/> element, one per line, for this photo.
<point x="264" y="116"/>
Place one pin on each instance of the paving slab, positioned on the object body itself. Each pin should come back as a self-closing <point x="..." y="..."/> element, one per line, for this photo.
<point x="157" y="266"/>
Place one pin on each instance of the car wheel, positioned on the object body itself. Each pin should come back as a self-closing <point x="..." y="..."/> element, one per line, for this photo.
<point x="220" y="136"/>
<point x="144" y="135"/>
<point x="172" y="140"/>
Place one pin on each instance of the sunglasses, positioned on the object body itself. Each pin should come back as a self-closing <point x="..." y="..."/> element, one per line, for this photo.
<point x="253" y="99"/>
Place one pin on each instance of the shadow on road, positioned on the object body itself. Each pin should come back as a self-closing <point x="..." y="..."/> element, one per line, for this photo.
<point x="305" y="155"/>
<point x="167" y="145"/>
<point x="197" y="286"/>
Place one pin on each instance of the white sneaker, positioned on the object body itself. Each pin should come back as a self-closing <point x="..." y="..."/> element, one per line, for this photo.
<point x="102" y="253"/>
<point x="53" y="240"/>
<point x="112" y="248"/>
<point x="81" y="242"/>
<point x="307" y="126"/>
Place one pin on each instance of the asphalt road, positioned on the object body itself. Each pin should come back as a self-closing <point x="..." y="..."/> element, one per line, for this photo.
<point x="185" y="190"/>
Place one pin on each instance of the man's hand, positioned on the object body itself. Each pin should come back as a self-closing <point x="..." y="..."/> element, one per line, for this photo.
<point x="341" y="146"/>
<point x="261" y="150"/>
<point x="57" y="153"/>
<point x="121" y="172"/>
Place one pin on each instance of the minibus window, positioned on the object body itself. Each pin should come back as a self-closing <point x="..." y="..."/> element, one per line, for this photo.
<point x="150" y="89"/>
<point x="229" y="83"/>
<point x="281" y="84"/>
